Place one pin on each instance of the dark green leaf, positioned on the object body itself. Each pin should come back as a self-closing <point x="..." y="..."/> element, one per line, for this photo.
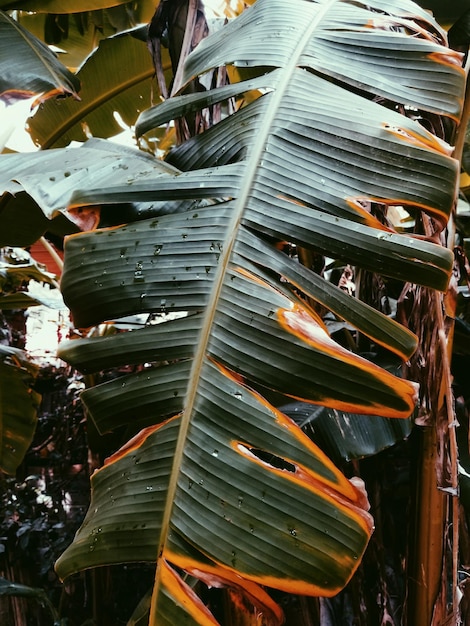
<point x="116" y="78"/>
<point x="29" y="68"/>
<point x="18" y="407"/>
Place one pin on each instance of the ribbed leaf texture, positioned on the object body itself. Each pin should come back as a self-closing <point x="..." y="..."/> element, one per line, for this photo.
<point x="220" y="484"/>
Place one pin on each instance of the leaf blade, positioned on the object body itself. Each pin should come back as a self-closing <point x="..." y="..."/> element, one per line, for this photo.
<point x="36" y="69"/>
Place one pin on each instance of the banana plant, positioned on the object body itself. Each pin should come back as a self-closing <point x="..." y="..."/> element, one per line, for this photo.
<point x="219" y="484"/>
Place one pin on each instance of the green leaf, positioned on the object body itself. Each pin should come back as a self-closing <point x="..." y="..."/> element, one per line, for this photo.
<point x="58" y="6"/>
<point x="388" y="63"/>
<point x="154" y="342"/>
<point x="25" y="299"/>
<point x="116" y="78"/>
<point x="18" y="407"/>
<point x="51" y="178"/>
<point x="36" y="201"/>
<point x="381" y="329"/>
<point x="220" y="484"/>
<point x="18" y="300"/>
<point x="323" y="141"/>
<point x="8" y="588"/>
<point x="77" y="35"/>
<point x="140" y="615"/>
<point x="190" y="103"/>
<point x="28" y="67"/>
<point x="149" y="394"/>
<point x="219" y="508"/>
<point x="344" y="436"/>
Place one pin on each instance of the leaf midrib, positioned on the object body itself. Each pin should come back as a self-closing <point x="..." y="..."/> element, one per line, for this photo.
<point x="251" y="170"/>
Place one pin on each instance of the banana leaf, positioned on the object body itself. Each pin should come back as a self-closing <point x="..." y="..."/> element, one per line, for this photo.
<point x="59" y="6"/>
<point x="18" y="407"/>
<point x="116" y="77"/>
<point x="18" y="400"/>
<point x="344" y="436"/>
<point x="9" y="588"/>
<point x="75" y="35"/>
<point x="29" y="68"/>
<point x="40" y="197"/>
<point x="219" y="483"/>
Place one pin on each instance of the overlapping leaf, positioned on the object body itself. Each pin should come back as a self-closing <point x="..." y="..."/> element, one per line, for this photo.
<point x="28" y="68"/>
<point x="116" y="78"/>
<point x="18" y="407"/>
<point x="75" y="29"/>
<point x="344" y="436"/>
<point x="221" y="484"/>
<point x="58" y="6"/>
<point x="40" y="197"/>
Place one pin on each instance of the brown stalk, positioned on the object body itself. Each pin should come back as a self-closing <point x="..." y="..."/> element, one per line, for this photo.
<point x="435" y="515"/>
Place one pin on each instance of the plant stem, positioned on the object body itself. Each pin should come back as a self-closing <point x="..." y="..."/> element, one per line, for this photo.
<point x="426" y="542"/>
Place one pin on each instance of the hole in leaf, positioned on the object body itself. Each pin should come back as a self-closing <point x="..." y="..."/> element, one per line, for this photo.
<point x="276" y="461"/>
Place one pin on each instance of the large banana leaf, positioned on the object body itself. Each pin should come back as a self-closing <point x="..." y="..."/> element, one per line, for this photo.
<point x="28" y="67"/>
<point x="220" y="484"/>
